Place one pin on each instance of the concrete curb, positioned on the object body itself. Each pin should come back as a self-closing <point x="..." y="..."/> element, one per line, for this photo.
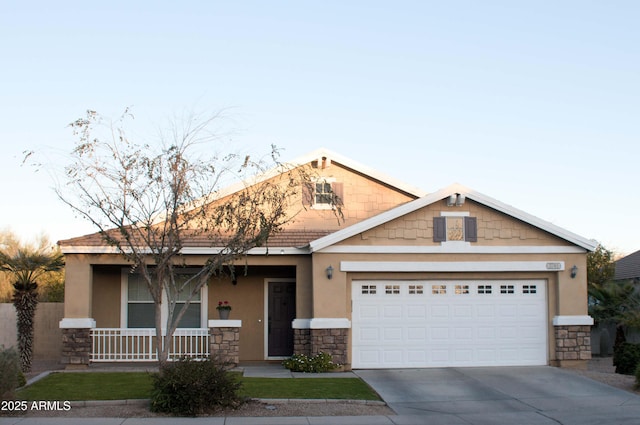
<point x="146" y="401"/>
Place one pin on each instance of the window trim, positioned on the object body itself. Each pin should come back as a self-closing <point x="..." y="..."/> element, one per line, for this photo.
<point x="469" y="229"/>
<point x="124" y="302"/>
<point x="322" y="205"/>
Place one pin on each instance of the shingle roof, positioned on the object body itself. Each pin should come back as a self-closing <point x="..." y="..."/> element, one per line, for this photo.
<point x="628" y="267"/>
<point x="286" y="238"/>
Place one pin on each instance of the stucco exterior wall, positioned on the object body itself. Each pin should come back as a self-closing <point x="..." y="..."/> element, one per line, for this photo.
<point x="363" y="198"/>
<point x="106" y="305"/>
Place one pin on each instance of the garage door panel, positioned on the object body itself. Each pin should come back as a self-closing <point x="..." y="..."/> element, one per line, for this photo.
<point x="440" y="311"/>
<point x="368" y="312"/>
<point x="392" y="312"/>
<point x="392" y="335"/>
<point x="462" y="311"/>
<point x="485" y="311"/>
<point x="416" y="335"/>
<point x="436" y="324"/>
<point x="416" y="311"/>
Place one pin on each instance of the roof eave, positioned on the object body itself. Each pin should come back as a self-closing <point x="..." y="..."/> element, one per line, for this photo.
<point x="318" y="244"/>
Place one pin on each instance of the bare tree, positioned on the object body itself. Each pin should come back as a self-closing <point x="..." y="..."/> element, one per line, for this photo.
<point x="147" y="201"/>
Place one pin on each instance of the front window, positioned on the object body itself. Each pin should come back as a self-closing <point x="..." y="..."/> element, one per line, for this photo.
<point x="140" y="308"/>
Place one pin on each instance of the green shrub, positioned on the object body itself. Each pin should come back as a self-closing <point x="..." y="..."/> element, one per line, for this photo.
<point x="626" y="358"/>
<point x="190" y="387"/>
<point x="11" y="376"/>
<point x="321" y="362"/>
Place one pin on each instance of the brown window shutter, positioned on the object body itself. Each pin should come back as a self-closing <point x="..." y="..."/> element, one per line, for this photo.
<point x="439" y="229"/>
<point x="338" y="192"/>
<point x="470" y="229"/>
<point x="307" y="193"/>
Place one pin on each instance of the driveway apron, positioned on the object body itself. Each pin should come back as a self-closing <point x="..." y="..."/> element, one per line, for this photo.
<point x="535" y="395"/>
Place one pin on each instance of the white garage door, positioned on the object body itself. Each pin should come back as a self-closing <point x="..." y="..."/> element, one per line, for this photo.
<point x="400" y="324"/>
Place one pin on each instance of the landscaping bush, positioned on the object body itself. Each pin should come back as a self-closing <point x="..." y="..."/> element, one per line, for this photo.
<point x="190" y="387"/>
<point x="626" y="358"/>
<point x="11" y="376"/>
<point x="321" y="362"/>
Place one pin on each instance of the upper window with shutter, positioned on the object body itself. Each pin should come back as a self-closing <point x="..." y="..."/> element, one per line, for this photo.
<point x="454" y="228"/>
<point x="323" y="194"/>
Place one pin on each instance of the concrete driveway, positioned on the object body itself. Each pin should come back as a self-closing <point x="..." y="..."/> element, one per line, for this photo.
<point x="501" y="395"/>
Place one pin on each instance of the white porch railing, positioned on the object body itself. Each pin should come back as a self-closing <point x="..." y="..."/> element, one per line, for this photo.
<point x="138" y="345"/>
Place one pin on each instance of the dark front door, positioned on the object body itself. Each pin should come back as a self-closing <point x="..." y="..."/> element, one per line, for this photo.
<point x="282" y="311"/>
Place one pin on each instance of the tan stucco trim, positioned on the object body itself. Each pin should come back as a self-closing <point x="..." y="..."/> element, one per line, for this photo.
<point x="67" y="249"/>
<point x="224" y="323"/>
<point x="461" y="248"/>
<point x="451" y="266"/>
<point x="322" y="323"/>
<point x="77" y="323"/>
<point x="572" y="321"/>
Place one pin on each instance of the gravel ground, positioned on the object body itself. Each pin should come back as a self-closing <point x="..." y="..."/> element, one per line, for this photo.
<point x="599" y="369"/>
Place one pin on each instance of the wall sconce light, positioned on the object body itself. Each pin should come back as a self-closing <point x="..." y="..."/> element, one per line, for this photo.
<point x="234" y="281"/>
<point x="329" y="272"/>
<point x="574" y="271"/>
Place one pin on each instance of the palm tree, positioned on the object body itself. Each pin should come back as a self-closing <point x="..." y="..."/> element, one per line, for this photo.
<point x="27" y="266"/>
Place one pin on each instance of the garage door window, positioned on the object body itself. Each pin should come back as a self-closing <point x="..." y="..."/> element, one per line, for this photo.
<point x="438" y="289"/>
<point x="392" y="289"/>
<point x="368" y="289"/>
<point x="462" y="289"/>
<point x="507" y="289"/>
<point x="484" y="289"/>
<point x="416" y="290"/>
<point x="529" y="289"/>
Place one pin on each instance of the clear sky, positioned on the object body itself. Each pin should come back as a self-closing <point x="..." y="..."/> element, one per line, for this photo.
<point x="534" y="103"/>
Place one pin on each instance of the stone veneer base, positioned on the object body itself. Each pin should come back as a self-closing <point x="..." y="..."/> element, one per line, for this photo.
<point x="224" y="343"/>
<point x="76" y="346"/>
<point x="573" y="344"/>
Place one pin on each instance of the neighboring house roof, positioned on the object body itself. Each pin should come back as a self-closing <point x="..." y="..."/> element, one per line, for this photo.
<point x="441" y="194"/>
<point x="628" y="267"/>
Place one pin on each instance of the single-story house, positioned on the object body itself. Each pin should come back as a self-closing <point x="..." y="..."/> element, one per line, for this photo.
<point x="407" y="279"/>
<point x="628" y="268"/>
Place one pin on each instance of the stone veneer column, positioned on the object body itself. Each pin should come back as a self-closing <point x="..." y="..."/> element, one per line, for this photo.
<point x="331" y="341"/>
<point x="329" y="335"/>
<point x="302" y="341"/>
<point x="573" y="340"/>
<point x="76" y="341"/>
<point x="224" y="340"/>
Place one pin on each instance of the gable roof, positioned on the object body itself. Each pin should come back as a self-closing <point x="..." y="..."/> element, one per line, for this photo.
<point x="628" y="267"/>
<point x="333" y="238"/>
<point x="94" y="243"/>
<point x="360" y="168"/>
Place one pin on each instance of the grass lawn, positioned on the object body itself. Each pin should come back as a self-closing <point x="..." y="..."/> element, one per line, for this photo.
<point x="132" y="385"/>
<point x="89" y="386"/>
<point x="335" y="388"/>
